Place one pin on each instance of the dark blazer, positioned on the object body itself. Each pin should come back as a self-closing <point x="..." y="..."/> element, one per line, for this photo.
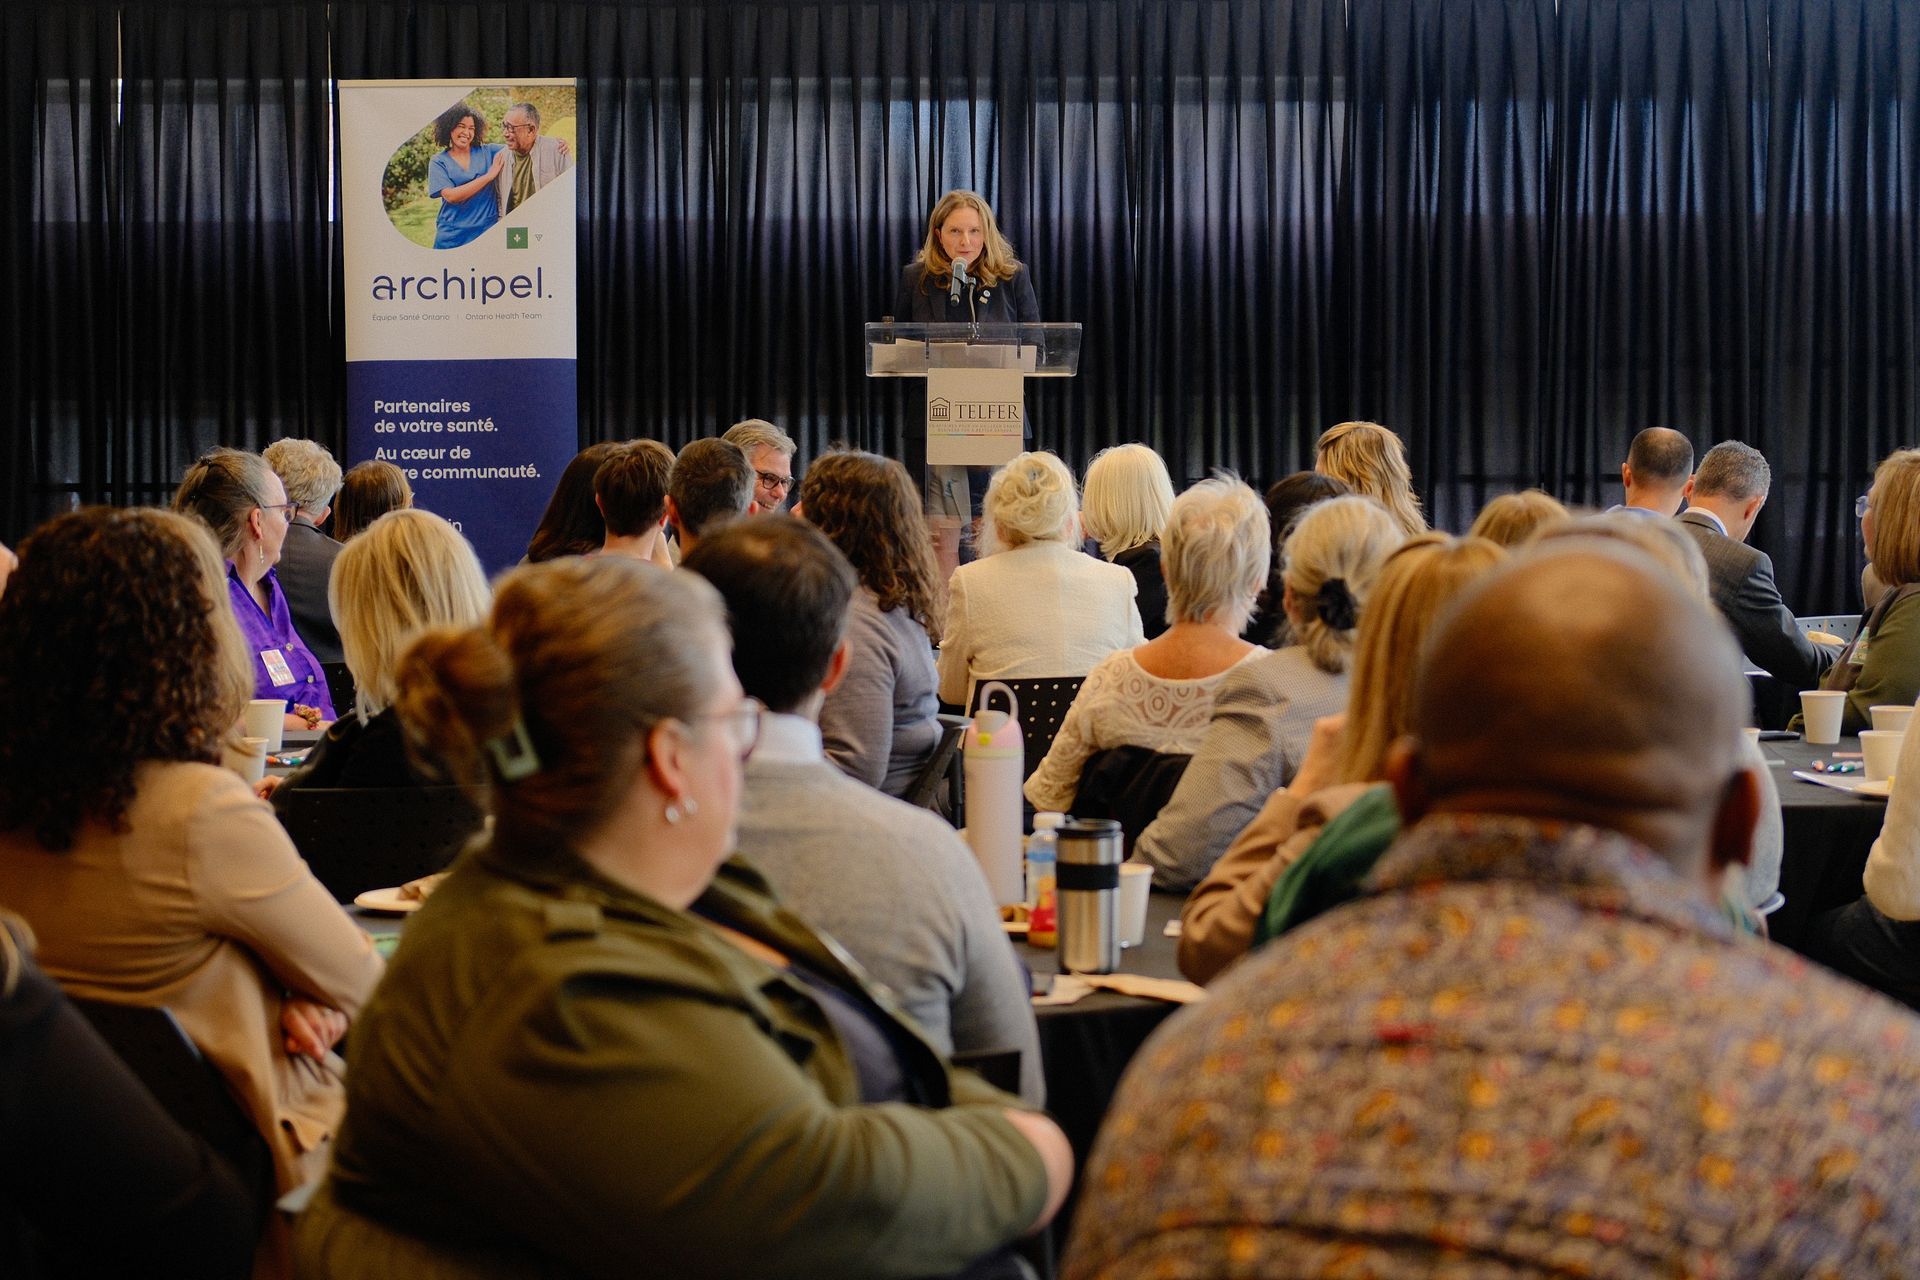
<point x="1741" y="579"/>
<point x="1150" y="588"/>
<point x="306" y="562"/>
<point x="1009" y="302"/>
<point x="351" y="754"/>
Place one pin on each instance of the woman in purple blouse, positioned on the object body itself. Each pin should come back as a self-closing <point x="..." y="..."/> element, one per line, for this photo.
<point x="240" y="498"/>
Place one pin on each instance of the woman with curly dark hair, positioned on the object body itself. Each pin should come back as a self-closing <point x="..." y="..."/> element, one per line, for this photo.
<point x="879" y="722"/>
<point x="151" y="875"/>
<point x="462" y="176"/>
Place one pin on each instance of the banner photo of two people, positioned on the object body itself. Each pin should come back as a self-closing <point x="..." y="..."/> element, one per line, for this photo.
<point x="458" y="208"/>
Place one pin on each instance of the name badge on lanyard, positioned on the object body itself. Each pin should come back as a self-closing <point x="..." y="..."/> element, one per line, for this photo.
<point x="277" y="669"/>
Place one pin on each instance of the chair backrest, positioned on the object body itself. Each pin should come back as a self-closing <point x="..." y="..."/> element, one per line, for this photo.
<point x="360" y="838"/>
<point x="340" y="686"/>
<point x="1043" y="705"/>
<point x="188" y="1088"/>
<point x="1844" y="625"/>
<point x="1128" y="784"/>
<point x="998" y="1067"/>
<point x="940" y="783"/>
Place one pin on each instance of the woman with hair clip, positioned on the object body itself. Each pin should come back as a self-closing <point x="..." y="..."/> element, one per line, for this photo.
<point x="604" y="1049"/>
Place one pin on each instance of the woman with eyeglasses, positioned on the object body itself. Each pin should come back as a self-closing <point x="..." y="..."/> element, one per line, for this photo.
<point x="238" y="496"/>
<point x="1882" y="664"/>
<point x="603" y="1048"/>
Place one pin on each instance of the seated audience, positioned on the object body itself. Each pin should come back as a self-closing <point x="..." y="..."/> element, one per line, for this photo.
<point x="1727" y="495"/>
<point x="892" y="883"/>
<point x="1036" y="607"/>
<point x="311" y="478"/>
<point x="1534" y="1047"/>
<point x="1287" y="500"/>
<point x="411" y="570"/>
<point x="238" y="497"/>
<point x="1229" y="912"/>
<point x="879" y="723"/>
<point x="152" y="875"/>
<point x="1658" y="473"/>
<point x="1372" y="461"/>
<point x="1159" y="695"/>
<point x="1124" y="507"/>
<point x="770" y="453"/>
<point x="1514" y="519"/>
<point x="603" y="1048"/>
<point x="1264" y="711"/>
<point x="1882" y="664"/>
<point x="571" y="524"/>
<point x="709" y="485"/>
<point x="96" y="1139"/>
<point x="630" y="489"/>
<point x="368" y="491"/>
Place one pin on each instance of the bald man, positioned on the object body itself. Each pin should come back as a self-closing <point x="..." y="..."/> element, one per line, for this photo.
<point x="1533" y="1045"/>
<point x="1658" y="473"/>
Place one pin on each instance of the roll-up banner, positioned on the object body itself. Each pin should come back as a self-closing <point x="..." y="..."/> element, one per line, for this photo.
<point x="458" y="204"/>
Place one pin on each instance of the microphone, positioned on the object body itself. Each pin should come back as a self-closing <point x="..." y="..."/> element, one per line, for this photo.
<point x="960" y="280"/>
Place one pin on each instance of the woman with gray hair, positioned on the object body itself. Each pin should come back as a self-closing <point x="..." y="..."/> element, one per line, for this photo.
<point x="1036" y="607"/>
<point x="312" y="479"/>
<point x="1159" y="695"/>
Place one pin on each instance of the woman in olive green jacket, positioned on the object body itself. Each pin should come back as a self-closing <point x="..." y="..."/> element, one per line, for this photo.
<point x="600" y="1052"/>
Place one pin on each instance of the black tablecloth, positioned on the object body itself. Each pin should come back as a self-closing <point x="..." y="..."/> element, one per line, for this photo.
<point x="1828" y="833"/>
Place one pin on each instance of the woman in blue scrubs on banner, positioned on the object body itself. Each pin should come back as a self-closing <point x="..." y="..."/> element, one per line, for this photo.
<point x="462" y="176"/>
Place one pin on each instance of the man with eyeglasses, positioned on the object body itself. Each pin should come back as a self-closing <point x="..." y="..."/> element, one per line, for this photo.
<point x="770" y="452"/>
<point x="533" y="161"/>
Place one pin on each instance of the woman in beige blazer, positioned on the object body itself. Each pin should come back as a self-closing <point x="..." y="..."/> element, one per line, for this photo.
<point x="153" y="876"/>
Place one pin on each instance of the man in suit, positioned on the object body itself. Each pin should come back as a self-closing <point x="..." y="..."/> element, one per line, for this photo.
<point x="1728" y="492"/>
<point x="532" y="161"/>
<point x="312" y="479"/>
<point x="1656" y="473"/>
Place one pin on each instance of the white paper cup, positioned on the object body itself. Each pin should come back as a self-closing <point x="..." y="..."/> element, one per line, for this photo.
<point x="1136" y="880"/>
<point x="1892" y="717"/>
<point x="266" y="718"/>
<point x="248" y="758"/>
<point x="1880" y="748"/>
<point x="1823" y="710"/>
<point x="1753" y="736"/>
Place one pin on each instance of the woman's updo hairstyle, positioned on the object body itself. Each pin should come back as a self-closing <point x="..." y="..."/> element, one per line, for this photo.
<point x="542" y="711"/>
<point x="1333" y="555"/>
<point x="1032" y="499"/>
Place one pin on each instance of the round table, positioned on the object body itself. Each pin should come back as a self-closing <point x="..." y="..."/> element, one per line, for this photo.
<point x="1828" y="833"/>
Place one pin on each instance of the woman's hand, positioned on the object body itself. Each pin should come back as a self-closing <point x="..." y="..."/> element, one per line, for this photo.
<point x="1322" y="762"/>
<point x="499" y="163"/>
<point x="268" y="785"/>
<point x="310" y="1028"/>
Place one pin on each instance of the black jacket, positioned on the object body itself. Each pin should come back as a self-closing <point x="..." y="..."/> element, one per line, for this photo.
<point x="1009" y="302"/>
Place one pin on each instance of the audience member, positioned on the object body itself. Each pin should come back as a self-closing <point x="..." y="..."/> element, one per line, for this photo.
<point x="892" y="883"/>
<point x="603" y="1048"/>
<point x="1159" y="695"/>
<point x="1514" y="519"/>
<point x="1534" y="1047"/>
<point x="1287" y="500"/>
<point x="710" y="484"/>
<point x="880" y="722"/>
<point x="1726" y="498"/>
<point x="241" y="500"/>
<point x="1124" y="507"/>
<point x="1658" y="473"/>
<point x="1881" y="665"/>
<point x="1264" y="711"/>
<point x="151" y="875"/>
<point x="630" y="488"/>
<point x="1236" y="906"/>
<point x="1036" y="606"/>
<point x="571" y="524"/>
<point x="368" y="491"/>
<point x="411" y="570"/>
<point x="1372" y="461"/>
<point x="85" y="1134"/>
<point x="311" y="478"/>
<point x="8" y="563"/>
<point x="770" y="453"/>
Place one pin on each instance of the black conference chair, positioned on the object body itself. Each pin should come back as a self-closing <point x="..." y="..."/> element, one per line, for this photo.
<point x="941" y="781"/>
<point x="1043" y="705"/>
<point x="1128" y="784"/>
<point x="340" y="686"/>
<point x="360" y="838"/>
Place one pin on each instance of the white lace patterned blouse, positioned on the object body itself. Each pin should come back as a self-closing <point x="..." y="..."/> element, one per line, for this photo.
<point x="1121" y="705"/>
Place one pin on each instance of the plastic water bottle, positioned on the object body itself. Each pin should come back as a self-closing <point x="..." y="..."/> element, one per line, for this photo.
<point x="995" y="760"/>
<point x="1042" y="929"/>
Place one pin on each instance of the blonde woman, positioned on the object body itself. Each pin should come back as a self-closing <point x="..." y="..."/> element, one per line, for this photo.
<point x="1038" y="606"/>
<point x="1514" y="519"/>
<point x="1159" y="695"/>
<point x="409" y="571"/>
<point x="1371" y="460"/>
<point x="1348" y="760"/>
<point x="1264" y="711"/>
<point x="1124" y="507"/>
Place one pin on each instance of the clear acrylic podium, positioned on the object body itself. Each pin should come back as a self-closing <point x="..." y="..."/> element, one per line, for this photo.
<point x="910" y="350"/>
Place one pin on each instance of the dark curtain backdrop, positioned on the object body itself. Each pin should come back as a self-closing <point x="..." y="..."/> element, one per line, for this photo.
<point x="1516" y="232"/>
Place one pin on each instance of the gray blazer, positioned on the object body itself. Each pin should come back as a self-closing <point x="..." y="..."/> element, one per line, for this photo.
<point x="306" y="562"/>
<point x="1741" y="579"/>
<point x="548" y="163"/>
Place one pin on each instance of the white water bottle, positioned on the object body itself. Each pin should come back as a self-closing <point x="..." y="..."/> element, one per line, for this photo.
<point x="995" y="762"/>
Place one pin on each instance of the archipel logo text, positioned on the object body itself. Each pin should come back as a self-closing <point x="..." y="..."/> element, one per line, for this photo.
<point x="451" y="286"/>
